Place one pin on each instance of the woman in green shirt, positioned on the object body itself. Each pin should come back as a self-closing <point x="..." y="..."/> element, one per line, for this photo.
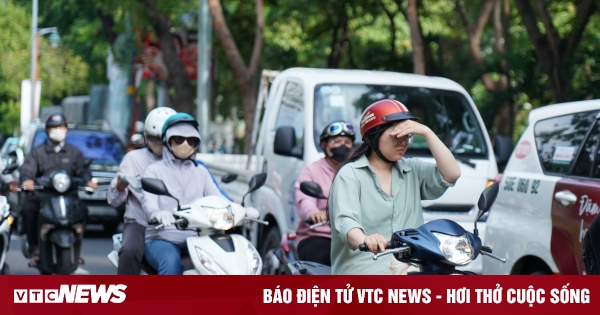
<point x="377" y="191"/>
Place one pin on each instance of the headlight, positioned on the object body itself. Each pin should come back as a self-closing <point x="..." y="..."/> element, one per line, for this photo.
<point x="61" y="182"/>
<point x="253" y="259"/>
<point x="457" y="249"/>
<point x="209" y="263"/>
<point x="221" y="219"/>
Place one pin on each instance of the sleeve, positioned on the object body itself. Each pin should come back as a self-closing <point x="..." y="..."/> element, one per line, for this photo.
<point x="305" y="205"/>
<point x="432" y="183"/>
<point x="115" y="197"/>
<point x="30" y="167"/>
<point x="344" y="203"/>
<point x="150" y="201"/>
<point x="86" y="172"/>
<point x="210" y="188"/>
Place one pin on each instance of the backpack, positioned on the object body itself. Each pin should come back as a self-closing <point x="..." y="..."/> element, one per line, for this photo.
<point x="591" y="248"/>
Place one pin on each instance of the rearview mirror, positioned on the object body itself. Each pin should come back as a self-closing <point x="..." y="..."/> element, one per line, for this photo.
<point x="10" y="168"/>
<point x="88" y="162"/>
<point x="285" y="142"/>
<point x="503" y="148"/>
<point x="155" y="186"/>
<point x="257" y="181"/>
<point x="16" y="156"/>
<point x="488" y="196"/>
<point x="312" y="189"/>
<point x="228" y="178"/>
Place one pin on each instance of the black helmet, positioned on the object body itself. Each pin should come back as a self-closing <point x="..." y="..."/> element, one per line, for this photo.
<point x="338" y="128"/>
<point x="55" y="120"/>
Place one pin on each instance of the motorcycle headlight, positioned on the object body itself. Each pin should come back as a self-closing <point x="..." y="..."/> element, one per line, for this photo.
<point x="209" y="263"/>
<point x="221" y="219"/>
<point x="253" y="259"/>
<point x="457" y="249"/>
<point x="61" y="182"/>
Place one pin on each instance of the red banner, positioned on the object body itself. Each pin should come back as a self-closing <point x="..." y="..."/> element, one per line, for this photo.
<point x="298" y="294"/>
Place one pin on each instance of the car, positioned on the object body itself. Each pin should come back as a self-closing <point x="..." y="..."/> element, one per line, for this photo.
<point x="549" y="193"/>
<point x="106" y="150"/>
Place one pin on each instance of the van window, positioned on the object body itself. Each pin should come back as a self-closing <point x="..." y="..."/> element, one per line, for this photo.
<point x="291" y="112"/>
<point x="559" y="139"/>
<point x="583" y="165"/>
<point x="448" y="113"/>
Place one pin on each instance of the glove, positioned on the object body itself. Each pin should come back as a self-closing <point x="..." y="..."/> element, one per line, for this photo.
<point x="164" y="217"/>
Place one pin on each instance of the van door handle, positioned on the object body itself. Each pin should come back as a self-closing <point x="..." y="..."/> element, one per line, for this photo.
<point x="565" y="197"/>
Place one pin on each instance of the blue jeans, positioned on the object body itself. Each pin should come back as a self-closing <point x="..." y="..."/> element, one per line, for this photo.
<point x="164" y="256"/>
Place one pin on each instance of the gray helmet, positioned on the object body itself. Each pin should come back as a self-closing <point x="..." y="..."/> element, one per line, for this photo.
<point x="55" y="120"/>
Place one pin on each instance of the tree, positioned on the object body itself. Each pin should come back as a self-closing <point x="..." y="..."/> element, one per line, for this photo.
<point x="553" y="51"/>
<point x="246" y="75"/>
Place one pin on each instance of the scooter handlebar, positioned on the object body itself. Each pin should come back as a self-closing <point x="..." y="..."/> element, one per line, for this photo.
<point x="363" y="247"/>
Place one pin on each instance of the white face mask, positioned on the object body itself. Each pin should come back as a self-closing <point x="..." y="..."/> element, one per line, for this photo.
<point x="183" y="151"/>
<point x="58" y="135"/>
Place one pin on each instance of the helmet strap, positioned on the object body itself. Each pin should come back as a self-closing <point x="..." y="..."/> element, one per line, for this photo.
<point x="376" y="150"/>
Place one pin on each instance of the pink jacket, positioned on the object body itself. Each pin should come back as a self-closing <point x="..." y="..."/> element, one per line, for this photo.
<point x="321" y="173"/>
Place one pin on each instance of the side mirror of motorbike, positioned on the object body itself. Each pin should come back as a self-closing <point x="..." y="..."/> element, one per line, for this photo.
<point x="11" y="168"/>
<point x="312" y="189"/>
<point x="157" y="187"/>
<point x="228" y="178"/>
<point x="486" y="200"/>
<point x="255" y="183"/>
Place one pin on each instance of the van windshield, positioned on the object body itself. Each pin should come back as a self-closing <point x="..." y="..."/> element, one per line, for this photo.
<point x="447" y="113"/>
<point x="101" y="146"/>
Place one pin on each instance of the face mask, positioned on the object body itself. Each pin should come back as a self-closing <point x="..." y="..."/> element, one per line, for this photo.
<point x="58" y="135"/>
<point x="340" y="154"/>
<point x="182" y="151"/>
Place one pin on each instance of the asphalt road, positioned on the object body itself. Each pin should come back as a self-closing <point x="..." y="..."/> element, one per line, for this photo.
<point x="95" y="247"/>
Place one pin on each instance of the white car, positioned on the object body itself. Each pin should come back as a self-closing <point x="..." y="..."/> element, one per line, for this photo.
<point x="549" y="193"/>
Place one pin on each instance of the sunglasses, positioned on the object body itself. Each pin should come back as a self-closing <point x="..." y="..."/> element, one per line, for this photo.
<point x="409" y="138"/>
<point x="193" y="141"/>
<point x="337" y="128"/>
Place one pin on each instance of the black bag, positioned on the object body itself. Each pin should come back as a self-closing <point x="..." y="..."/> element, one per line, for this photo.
<point x="591" y="248"/>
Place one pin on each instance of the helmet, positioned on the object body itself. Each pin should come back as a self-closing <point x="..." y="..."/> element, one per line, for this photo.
<point x="338" y="128"/>
<point x="56" y="119"/>
<point x="176" y="119"/>
<point x="383" y="112"/>
<point x="156" y="118"/>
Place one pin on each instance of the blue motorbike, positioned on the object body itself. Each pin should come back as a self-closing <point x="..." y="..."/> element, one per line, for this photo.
<point x="437" y="247"/>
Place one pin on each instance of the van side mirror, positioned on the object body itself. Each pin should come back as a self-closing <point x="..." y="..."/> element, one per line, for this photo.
<point x="285" y="142"/>
<point x="312" y="189"/>
<point x="228" y="178"/>
<point x="503" y="148"/>
<point x="255" y="183"/>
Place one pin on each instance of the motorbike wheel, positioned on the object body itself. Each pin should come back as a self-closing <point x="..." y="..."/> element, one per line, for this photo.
<point x="5" y="270"/>
<point x="64" y="263"/>
<point x="270" y="243"/>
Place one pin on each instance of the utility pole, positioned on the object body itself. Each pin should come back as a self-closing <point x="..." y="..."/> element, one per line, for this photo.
<point x="34" y="29"/>
<point x="203" y="76"/>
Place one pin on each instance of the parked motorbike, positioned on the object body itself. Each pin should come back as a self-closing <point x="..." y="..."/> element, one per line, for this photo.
<point x="61" y="223"/>
<point x="211" y="251"/>
<point x="6" y="221"/>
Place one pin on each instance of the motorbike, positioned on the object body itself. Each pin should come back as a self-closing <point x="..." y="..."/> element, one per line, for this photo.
<point x="6" y="221"/>
<point x="211" y="251"/>
<point x="436" y="247"/>
<point x="61" y="223"/>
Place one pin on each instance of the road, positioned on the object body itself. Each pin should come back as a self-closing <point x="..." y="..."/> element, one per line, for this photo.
<point x="95" y="247"/>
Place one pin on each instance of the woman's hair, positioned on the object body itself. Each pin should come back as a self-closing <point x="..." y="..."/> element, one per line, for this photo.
<point x="372" y="136"/>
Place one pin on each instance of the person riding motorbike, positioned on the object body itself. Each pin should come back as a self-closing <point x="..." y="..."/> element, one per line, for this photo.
<point x="53" y="155"/>
<point x="135" y="163"/>
<point x="337" y="139"/>
<point x="378" y="191"/>
<point x="186" y="182"/>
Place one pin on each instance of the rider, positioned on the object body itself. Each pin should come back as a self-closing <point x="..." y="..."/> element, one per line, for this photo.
<point x="378" y="191"/>
<point x="336" y="139"/>
<point x="135" y="164"/>
<point x="185" y="181"/>
<point x="55" y="154"/>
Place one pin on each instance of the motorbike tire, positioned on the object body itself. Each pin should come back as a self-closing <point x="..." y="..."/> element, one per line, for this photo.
<point x="64" y="262"/>
<point x="5" y="270"/>
<point x="270" y="242"/>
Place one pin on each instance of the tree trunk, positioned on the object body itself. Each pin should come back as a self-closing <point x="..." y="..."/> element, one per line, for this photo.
<point x="553" y="52"/>
<point x="183" y="99"/>
<point x="416" y="37"/>
<point x="246" y="76"/>
<point x="337" y="42"/>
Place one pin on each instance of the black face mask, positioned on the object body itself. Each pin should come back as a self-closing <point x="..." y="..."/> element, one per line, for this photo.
<point x="340" y="154"/>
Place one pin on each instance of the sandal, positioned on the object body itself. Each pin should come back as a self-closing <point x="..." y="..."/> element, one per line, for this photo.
<point x="33" y="262"/>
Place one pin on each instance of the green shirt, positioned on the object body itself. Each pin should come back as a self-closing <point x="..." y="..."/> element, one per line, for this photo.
<point x="357" y="200"/>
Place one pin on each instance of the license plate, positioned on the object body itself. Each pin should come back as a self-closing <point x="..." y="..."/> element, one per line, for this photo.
<point x="97" y="195"/>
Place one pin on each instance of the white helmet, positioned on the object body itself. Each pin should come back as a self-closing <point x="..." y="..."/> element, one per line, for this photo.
<point x="156" y="119"/>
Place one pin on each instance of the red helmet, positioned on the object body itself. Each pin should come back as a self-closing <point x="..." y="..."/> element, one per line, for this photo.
<point x="383" y="112"/>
